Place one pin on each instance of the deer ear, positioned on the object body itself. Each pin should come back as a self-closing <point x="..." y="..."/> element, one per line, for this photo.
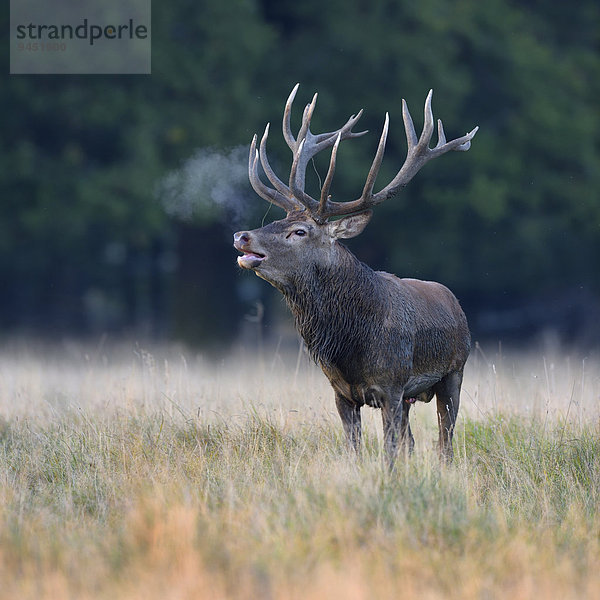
<point x="351" y="226"/>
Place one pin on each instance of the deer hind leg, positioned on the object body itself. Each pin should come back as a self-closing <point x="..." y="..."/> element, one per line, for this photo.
<point x="349" y="412"/>
<point x="447" y="393"/>
<point x="396" y="428"/>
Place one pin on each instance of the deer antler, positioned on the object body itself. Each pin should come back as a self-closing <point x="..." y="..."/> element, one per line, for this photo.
<point x="292" y="197"/>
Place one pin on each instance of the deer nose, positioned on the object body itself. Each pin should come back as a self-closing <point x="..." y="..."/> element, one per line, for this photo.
<point x="241" y="238"/>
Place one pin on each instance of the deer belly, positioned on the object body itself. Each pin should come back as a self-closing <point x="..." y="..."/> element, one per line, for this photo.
<point x="418" y="387"/>
<point x="418" y="384"/>
<point x="360" y="394"/>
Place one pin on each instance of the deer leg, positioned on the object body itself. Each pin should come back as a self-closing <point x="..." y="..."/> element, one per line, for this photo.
<point x="447" y="393"/>
<point x="406" y="435"/>
<point x="350" y="414"/>
<point x="396" y="428"/>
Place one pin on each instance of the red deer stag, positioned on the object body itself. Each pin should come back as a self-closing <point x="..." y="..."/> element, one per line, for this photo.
<point x="380" y="340"/>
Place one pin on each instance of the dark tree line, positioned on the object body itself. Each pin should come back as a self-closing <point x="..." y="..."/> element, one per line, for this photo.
<point x="88" y="242"/>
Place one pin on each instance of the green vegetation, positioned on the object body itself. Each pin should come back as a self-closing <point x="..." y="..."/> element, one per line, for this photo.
<point x="169" y="478"/>
<point x="85" y="243"/>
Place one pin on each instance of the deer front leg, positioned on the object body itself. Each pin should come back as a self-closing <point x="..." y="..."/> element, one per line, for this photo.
<point x="396" y="428"/>
<point x="350" y="414"/>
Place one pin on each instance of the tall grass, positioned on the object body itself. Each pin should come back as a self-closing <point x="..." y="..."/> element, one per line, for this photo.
<point x="136" y="474"/>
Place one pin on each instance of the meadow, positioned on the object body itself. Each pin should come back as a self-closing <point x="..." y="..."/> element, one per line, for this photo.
<point x="130" y="472"/>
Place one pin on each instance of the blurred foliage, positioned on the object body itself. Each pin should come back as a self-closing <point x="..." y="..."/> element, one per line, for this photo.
<point x="85" y="242"/>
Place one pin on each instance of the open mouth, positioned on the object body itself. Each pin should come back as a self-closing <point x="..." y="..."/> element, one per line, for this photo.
<point x="250" y="260"/>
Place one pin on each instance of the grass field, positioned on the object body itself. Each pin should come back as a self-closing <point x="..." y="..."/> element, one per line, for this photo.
<point x="161" y="475"/>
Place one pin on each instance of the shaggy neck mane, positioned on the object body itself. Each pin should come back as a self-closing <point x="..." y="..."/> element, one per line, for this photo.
<point x="333" y="305"/>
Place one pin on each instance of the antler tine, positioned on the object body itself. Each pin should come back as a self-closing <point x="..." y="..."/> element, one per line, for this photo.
<point x="297" y="182"/>
<point x="461" y="144"/>
<point x="374" y="170"/>
<point x="328" y="179"/>
<point x="306" y="119"/>
<point x="345" y="130"/>
<point x="287" y="128"/>
<point x="427" y="122"/>
<point x="441" y="134"/>
<point x="264" y="161"/>
<point x="270" y="195"/>
<point x="409" y="127"/>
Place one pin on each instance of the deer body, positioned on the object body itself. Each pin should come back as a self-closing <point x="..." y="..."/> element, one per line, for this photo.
<point x="380" y="340"/>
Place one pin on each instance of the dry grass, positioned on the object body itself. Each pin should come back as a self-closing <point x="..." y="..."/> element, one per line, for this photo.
<point x="136" y="474"/>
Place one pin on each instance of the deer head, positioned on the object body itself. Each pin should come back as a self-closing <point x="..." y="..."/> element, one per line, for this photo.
<point x="312" y="226"/>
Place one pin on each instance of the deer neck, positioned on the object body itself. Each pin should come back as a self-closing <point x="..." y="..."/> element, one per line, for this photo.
<point x="331" y="304"/>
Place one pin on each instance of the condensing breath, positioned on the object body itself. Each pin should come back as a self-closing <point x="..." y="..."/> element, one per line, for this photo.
<point x="210" y="183"/>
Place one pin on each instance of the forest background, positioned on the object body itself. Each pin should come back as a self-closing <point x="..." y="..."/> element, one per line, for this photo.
<point x="120" y="193"/>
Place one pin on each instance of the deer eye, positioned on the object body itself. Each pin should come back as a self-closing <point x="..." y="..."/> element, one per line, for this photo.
<point x="298" y="232"/>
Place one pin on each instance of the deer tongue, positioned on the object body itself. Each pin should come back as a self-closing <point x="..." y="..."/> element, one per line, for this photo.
<point x="250" y="260"/>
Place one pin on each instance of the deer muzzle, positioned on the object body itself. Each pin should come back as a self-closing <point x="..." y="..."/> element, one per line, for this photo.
<point x="250" y="258"/>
